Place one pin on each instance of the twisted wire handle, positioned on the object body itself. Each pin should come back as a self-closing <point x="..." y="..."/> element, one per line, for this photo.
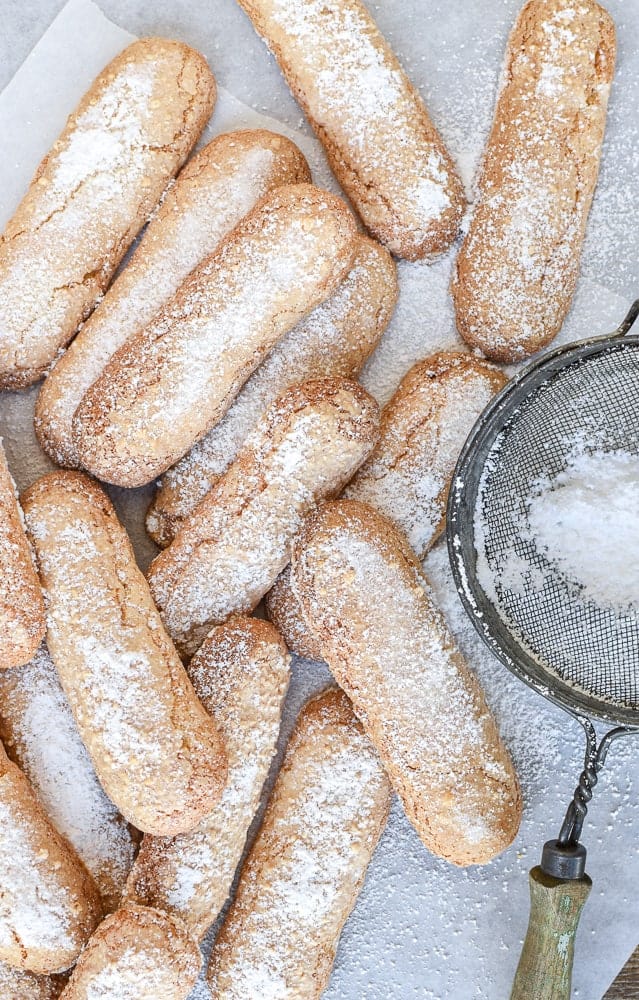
<point x="595" y="760"/>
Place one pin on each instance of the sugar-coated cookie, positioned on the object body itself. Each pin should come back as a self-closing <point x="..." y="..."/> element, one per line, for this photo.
<point x="307" y="865"/>
<point x="216" y="188"/>
<point x="92" y="194"/>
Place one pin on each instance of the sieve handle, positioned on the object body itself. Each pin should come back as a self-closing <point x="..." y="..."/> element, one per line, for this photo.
<point x="628" y="320"/>
<point x="545" y="967"/>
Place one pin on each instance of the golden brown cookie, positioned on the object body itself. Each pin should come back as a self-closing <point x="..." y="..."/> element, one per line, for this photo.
<point x="22" y="625"/>
<point x="231" y="549"/>
<point x="335" y="339"/>
<point x="139" y="953"/>
<point x="155" y="750"/>
<point x="92" y="194"/>
<point x="240" y="674"/>
<point x="49" y="904"/>
<point x="406" y="476"/>
<point x="516" y="272"/>
<point x="172" y="382"/>
<point x="307" y="865"/>
<point x="40" y="736"/>
<point x="367" y="602"/>
<point x="377" y="134"/>
<point x="16" y="984"/>
<point x="216" y="188"/>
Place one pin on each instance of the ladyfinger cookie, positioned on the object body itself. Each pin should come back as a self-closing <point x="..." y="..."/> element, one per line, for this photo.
<point x="22" y="624"/>
<point x="407" y="475"/>
<point x="306" y="868"/>
<point x="285" y="611"/>
<point x="517" y="269"/>
<point x="177" y="377"/>
<point x="136" y="954"/>
<point x="91" y="195"/>
<point x="155" y="750"/>
<point x="219" y="186"/>
<point x="49" y="905"/>
<point x="240" y="674"/>
<point x="364" y="597"/>
<point x="16" y="984"/>
<point x="231" y="549"/>
<point x="335" y="339"/>
<point x="422" y="431"/>
<point x="40" y="735"/>
<point x="377" y="134"/>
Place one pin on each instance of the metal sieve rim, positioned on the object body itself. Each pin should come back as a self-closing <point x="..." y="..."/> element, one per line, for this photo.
<point x="460" y="516"/>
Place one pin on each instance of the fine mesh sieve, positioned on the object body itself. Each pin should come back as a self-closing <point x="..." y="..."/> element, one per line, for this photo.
<point x="545" y="626"/>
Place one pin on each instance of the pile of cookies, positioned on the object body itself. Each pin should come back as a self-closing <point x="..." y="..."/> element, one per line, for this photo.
<point x="139" y="716"/>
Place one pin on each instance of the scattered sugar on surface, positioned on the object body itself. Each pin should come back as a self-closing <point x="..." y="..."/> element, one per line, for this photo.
<point x="423" y="322"/>
<point x="474" y="917"/>
<point x="17" y="984"/>
<point x="93" y="149"/>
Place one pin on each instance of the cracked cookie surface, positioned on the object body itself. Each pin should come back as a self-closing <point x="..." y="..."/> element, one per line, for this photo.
<point x="517" y="269"/>
<point x="155" y="750"/>
<point x="92" y="194"/>
<point x="375" y="129"/>
<point x="217" y="187"/>
<point x="168" y="385"/>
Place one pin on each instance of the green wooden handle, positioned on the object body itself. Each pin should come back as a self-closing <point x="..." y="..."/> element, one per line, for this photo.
<point x="545" y="967"/>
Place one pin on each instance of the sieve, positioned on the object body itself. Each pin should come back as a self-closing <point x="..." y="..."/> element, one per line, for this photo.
<point x="546" y="628"/>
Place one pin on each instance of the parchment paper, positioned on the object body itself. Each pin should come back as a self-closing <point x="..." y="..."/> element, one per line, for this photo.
<point x="421" y="929"/>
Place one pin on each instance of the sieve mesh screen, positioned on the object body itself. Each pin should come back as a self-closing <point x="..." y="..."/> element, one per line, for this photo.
<point x="524" y="598"/>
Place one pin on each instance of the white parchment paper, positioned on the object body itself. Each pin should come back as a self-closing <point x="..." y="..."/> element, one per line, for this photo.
<point x="421" y="929"/>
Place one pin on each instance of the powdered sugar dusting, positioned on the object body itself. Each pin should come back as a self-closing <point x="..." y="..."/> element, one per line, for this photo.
<point x="585" y="522"/>
<point x="410" y="685"/>
<point x="298" y="885"/>
<point x="79" y="216"/>
<point x="40" y="732"/>
<point x="335" y="339"/>
<point x="229" y="553"/>
<point x="157" y="396"/>
<point x="22" y="613"/>
<point x="207" y="201"/>
<point x="241" y="680"/>
<point x="423" y="430"/>
<point x="566" y="516"/>
<point x="134" y="708"/>
<point x="363" y="104"/>
<point x="517" y="270"/>
<point x="138" y="974"/>
<point x="33" y="908"/>
<point x="474" y="916"/>
<point x="16" y="984"/>
<point x="93" y="150"/>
